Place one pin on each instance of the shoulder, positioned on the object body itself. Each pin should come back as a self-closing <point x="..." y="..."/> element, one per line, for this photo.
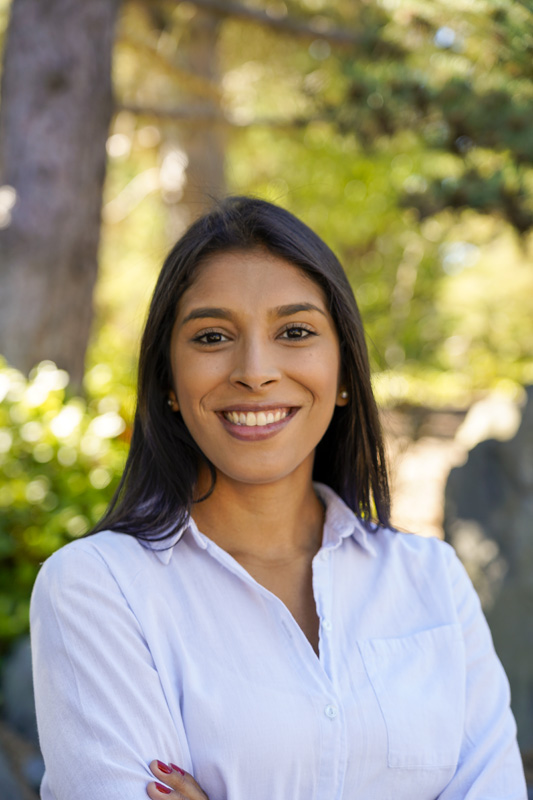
<point x="424" y="563"/>
<point x="391" y="543"/>
<point x="388" y="545"/>
<point x="104" y="546"/>
<point x="105" y="556"/>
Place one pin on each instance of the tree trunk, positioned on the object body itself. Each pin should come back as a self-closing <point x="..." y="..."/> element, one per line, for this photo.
<point x="203" y="142"/>
<point x="56" y="108"/>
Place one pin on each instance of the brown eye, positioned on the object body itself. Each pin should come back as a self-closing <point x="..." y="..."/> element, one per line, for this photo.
<point x="210" y="337"/>
<point x="297" y="332"/>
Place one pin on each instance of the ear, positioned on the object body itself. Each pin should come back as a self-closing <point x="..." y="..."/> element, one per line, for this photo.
<point x="173" y="401"/>
<point x="342" y="397"/>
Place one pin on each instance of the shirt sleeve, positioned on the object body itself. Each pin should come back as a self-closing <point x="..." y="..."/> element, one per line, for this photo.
<point x="101" y="711"/>
<point x="490" y="767"/>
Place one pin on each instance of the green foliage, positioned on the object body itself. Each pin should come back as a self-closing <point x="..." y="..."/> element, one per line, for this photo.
<point x="462" y="87"/>
<point x="60" y="460"/>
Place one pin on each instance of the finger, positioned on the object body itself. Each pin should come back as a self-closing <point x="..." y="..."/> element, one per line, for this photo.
<point x="158" y="791"/>
<point x="179" y="781"/>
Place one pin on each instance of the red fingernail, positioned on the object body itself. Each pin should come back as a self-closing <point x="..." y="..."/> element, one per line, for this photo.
<point x="164" y="768"/>
<point x="163" y="789"/>
<point x="178" y="769"/>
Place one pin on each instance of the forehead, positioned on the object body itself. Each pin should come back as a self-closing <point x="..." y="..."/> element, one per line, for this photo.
<point x="250" y="276"/>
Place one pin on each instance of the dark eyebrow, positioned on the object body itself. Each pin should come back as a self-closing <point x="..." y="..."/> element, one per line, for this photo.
<point x="294" y="308"/>
<point x="212" y="312"/>
<point x="207" y="313"/>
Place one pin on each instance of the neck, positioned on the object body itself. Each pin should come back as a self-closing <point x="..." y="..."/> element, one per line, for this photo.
<point x="267" y="521"/>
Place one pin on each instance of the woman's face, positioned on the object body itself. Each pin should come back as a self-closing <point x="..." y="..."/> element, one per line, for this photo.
<point x="256" y="365"/>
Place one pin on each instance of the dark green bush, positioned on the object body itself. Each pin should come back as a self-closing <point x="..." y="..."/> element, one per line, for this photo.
<point x="61" y="457"/>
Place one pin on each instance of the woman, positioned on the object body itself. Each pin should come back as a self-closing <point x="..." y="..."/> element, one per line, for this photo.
<point x="238" y="617"/>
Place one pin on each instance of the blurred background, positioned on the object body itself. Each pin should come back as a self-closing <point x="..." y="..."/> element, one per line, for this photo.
<point x="401" y="131"/>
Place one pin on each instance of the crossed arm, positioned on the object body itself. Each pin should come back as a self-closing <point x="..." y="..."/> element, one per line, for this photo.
<point x="102" y="713"/>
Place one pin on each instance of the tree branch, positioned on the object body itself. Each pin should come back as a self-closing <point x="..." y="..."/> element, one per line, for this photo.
<point x="202" y="114"/>
<point x="305" y="30"/>
<point x="190" y="81"/>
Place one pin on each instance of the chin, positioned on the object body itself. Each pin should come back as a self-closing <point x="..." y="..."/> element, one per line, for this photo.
<point x="263" y="474"/>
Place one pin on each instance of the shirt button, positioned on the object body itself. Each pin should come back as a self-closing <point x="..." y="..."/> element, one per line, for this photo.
<point x="326" y="624"/>
<point x="331" y="711"/>
<point x="324" y="555"/>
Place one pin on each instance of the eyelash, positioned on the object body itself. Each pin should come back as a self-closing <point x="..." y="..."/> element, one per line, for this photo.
<point x="298" y="327"/>
<point x="200" y="336"/>
<point x="292" y="327"/>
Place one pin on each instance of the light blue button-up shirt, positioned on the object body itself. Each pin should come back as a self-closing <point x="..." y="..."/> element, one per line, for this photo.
<point x="179" y="654"/>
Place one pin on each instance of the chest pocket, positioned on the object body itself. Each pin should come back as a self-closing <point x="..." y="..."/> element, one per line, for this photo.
<point x="419" y="682"/>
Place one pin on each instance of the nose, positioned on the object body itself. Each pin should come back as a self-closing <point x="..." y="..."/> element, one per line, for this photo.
<point x="255" y="366"/>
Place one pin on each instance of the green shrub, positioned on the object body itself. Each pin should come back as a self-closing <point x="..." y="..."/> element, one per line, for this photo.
<point x="61" y="457"/>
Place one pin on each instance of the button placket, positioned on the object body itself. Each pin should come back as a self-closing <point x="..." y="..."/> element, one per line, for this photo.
<point x="322" y="585"/>
<point x="330" y="709"/>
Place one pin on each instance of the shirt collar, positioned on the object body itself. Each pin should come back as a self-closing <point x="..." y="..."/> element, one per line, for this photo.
<point x="163" y="548"/>
<point x="340" y="523"/>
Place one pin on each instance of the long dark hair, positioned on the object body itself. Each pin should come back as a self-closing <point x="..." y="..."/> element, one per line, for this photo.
<point x="156" y="493"/>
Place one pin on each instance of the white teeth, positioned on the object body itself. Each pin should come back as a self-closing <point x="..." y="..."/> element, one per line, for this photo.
<point x="250" y="419"/>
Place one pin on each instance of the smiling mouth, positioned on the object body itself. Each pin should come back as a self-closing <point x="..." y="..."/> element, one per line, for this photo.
<point x="258" y="419"/>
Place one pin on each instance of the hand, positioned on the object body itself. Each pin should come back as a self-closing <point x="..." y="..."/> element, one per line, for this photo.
<point x="173" y="783"/>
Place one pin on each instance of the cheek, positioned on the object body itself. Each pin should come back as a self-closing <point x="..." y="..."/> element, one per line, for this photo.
<point x="194" y="378"/>
<point x="321" y="373"/>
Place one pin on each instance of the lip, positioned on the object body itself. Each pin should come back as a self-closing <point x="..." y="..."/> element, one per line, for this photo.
<point x="256" y="433"/>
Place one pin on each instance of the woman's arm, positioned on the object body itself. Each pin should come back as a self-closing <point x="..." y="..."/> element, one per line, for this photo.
<point x="489" y="766"/>
<point x="101" y="711"/>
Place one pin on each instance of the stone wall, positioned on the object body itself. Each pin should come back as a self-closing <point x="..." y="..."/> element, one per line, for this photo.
<point x="489" y="520"/>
